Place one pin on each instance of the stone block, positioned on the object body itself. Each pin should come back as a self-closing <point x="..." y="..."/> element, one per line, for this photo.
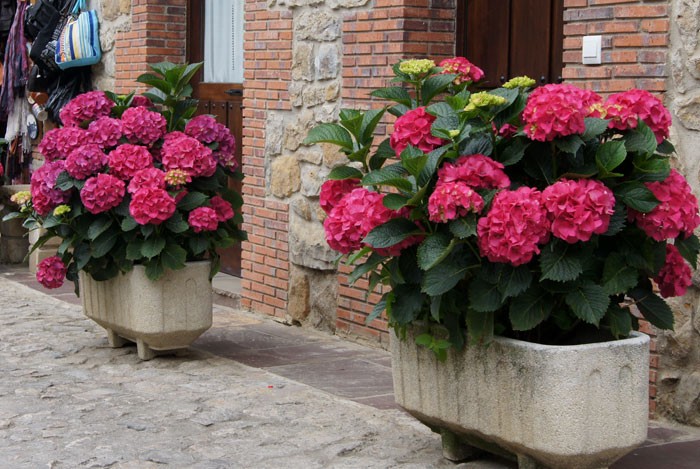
<point x="285" y="176"/>
<point x="317" y="25"/>
<point x="308" y="246"/>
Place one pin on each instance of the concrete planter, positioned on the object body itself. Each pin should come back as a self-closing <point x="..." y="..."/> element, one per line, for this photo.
<point x="168" y="314"/>
<point x="581" y="406"/>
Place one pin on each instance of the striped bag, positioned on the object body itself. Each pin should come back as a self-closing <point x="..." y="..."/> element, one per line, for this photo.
<point x="79" y="42"/>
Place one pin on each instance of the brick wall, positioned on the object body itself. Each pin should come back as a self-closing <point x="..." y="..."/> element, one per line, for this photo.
<point x="158" y="33"/>
<point x="635" y="38"/>
<point x="268" y="61"/>
<point x="373" y="40"/>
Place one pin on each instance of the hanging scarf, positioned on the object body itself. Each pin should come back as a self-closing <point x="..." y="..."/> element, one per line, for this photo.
<point x="16" y="63"/>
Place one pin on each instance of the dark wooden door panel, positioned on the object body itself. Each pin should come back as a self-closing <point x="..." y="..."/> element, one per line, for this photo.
<point x="488" y="30"/>
<point x="509" y="38"/>
<point x="530" y="39"/>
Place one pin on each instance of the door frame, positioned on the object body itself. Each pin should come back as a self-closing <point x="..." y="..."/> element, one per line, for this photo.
<point x="215" y="92"/>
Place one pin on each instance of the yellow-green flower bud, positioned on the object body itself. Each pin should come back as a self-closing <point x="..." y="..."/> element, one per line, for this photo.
<point x="486" y="99"/>
<point x="416" y="66"/>
<point x="21" y="197"/>
<point x="453" y="133"/>
<point x="61" y="210"/>
<point x="470" y="108"/>
<point x="519" y="82"/>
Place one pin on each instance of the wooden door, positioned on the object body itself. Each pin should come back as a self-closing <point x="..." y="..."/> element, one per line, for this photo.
<point x="510" y="38"/>
<point x="215" y="38"/>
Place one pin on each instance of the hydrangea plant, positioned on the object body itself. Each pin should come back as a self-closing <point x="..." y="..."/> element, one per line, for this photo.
<point x="134" y="179"/>
<point x="543" y="214"/>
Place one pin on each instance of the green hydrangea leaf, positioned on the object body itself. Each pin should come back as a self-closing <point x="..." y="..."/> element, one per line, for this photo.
<point x="689" y="248"/>
<point x="618" y="275"/>
<point x="654" y="309"/>
<point x="588" y="301"/>
<point x="530" y="309"/>
<point x="620" y="321"/>
<point x="559" y="262"/>
<point x="484" y="297"/>
<point x="152" y="247"/>
<point x="390" y="233"/>
<point x="433" y="250"/>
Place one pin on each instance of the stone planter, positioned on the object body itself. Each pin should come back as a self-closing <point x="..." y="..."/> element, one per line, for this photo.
<point x="580" y="406"/>
<point x="165" y="315"/>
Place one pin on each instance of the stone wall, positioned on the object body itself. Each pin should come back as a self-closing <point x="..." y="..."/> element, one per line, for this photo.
<point x="678" y="382"/>
<point x="305" y="59"/>
<point x="115" y="20"/>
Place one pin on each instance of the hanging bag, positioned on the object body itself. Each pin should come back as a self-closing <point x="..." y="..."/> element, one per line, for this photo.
<point x="79" y="42"/>
<point x="41" y="15"/>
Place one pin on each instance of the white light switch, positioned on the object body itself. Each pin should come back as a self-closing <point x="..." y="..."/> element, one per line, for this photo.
<point x="592" y="46"/>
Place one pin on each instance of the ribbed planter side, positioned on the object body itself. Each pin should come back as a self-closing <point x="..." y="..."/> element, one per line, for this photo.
<point x="167" y="314"/>
<point x="581" y="406"/>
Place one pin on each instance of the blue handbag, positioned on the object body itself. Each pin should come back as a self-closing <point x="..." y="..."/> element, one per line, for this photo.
<point x="79" y="42"/>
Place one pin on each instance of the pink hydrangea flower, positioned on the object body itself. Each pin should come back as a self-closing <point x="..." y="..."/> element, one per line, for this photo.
<point x="189" y="155"/>
<point x="413" y="128"/>
<point x="105" y="132"/>
<point x="203" y="219"/>
<point x="143" y="126"/>
<point x="151" y="205"/>
<point x="624" y="110"/>
<point x="506" y="130"/>
<point x="578" y="209"/>
<point x="204" y="128"/>
<point x="85" y="161"/>
<point x="354" y="216"/>
<point x="334" y="190"/>
<point x="675" y="276"/>
<point x="225" y="155"/>
<point x="677" y="212"/>
<point x="463" y="68"/>
<point x="223" y="209"/>
<point x="139" y="100"/>
<point x="127" y="159"/>
<point x="86" y="107"/>
<point x="554" y="111"/>
<point x="148" y="177"/>
<point x="514" y="227"/>
<point x="477" y="171"/>
<point x="102" y="192"/>
<point x="452" y="200"/>
<point x="57" y="144"/>
<point x="45" y="197"/>
<point x="51" y="272"/>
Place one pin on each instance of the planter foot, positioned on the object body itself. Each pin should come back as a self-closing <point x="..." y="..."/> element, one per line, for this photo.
<point x="454" y="449"/>
<point x="526" y="462"/>
<point x="114" y="340"/>
<point x="144" y="351"/>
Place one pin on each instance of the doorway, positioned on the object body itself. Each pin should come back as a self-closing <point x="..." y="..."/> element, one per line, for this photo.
<point x="215" y="37"/>
<point x="510" y="38"/>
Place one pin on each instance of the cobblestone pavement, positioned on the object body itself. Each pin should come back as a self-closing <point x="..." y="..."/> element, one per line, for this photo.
<point x="67" y="400"/>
